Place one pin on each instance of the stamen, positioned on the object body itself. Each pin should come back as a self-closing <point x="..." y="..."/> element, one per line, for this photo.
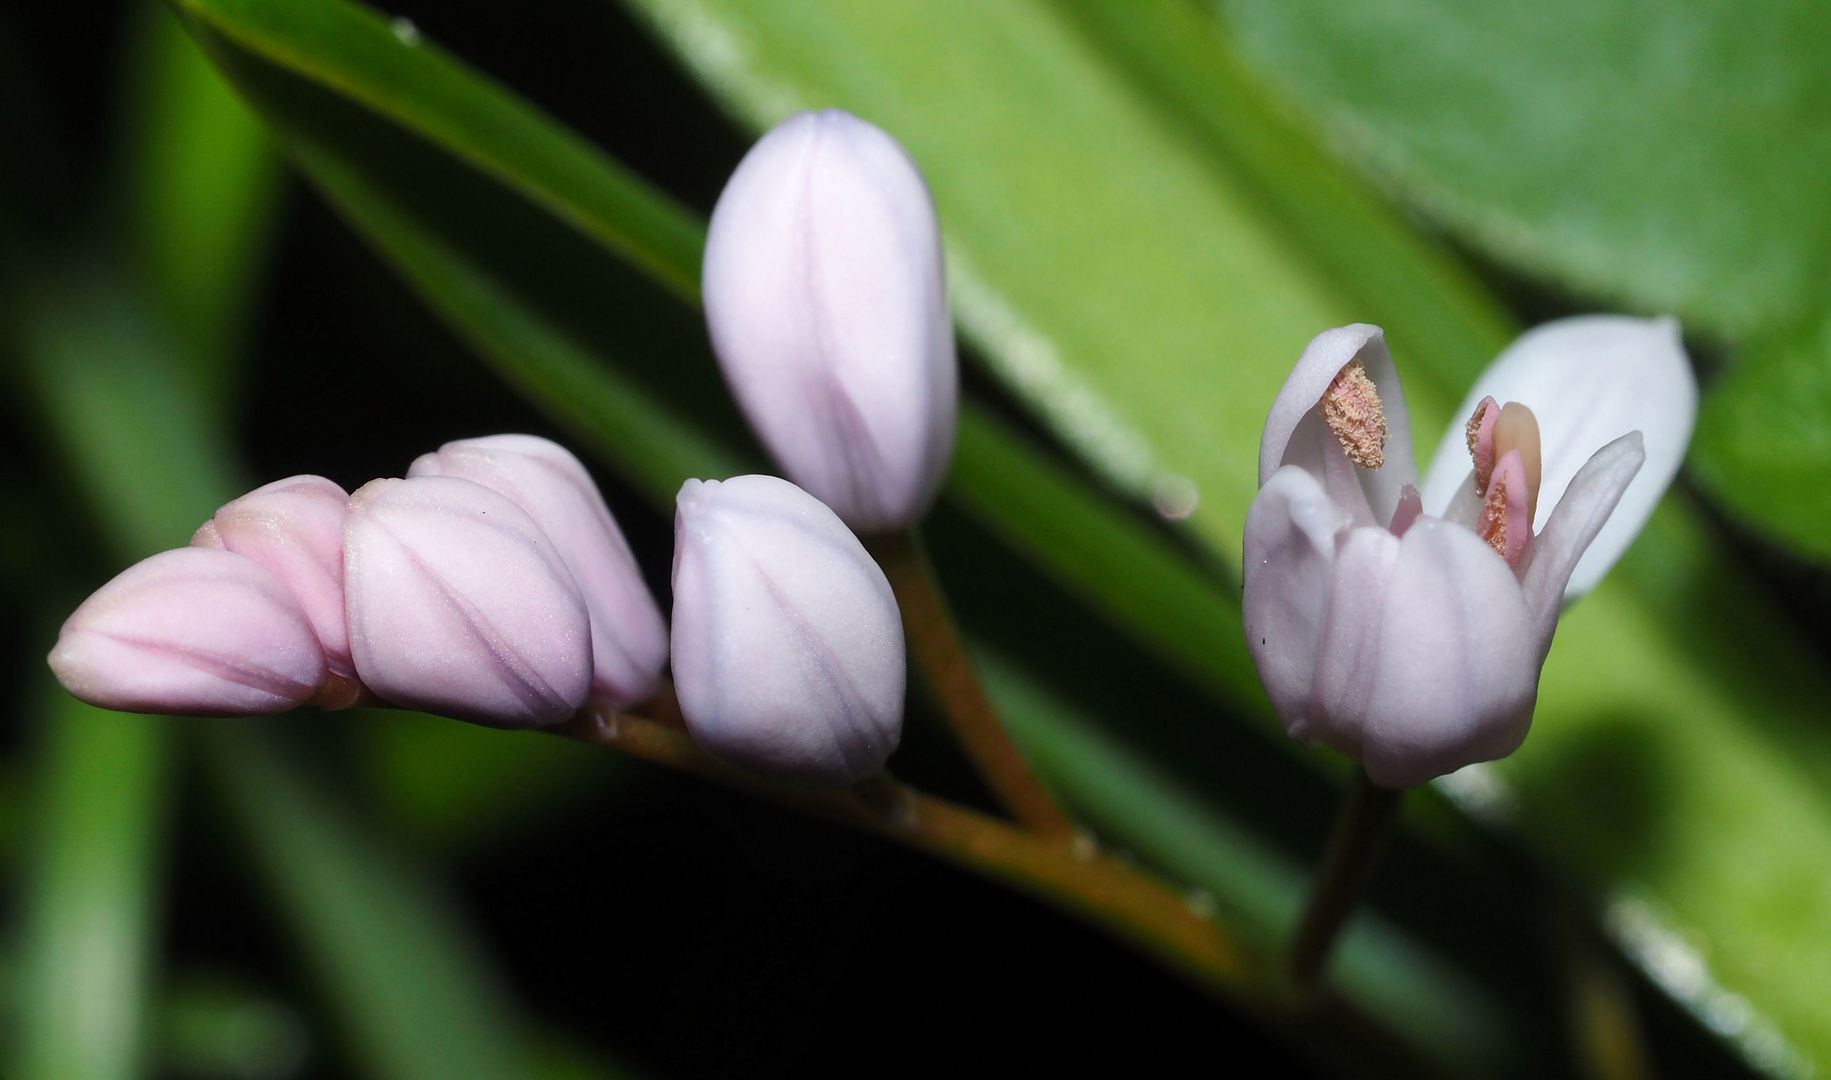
<point x="1351" y="405"/>
<point x="1518" y="430"/>
<point x="1409" y="510"/>
<point x="1506" y="517"/>
<point x="1480" y="432"/>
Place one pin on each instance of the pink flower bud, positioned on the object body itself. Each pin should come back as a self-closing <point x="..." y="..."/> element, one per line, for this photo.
<point x="824" y="295"/>
<point x="788" y="646"/>
<point x="629" y="640"/>
<point x="294" y="529"/>
<point x="193" y="631"/>
<point x="458" y="604"/>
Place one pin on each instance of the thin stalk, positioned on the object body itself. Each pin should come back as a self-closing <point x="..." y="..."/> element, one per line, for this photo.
<point x="1066" y="871"/>
<point x="935" y="644"/>
<point x="1359" y="838"/>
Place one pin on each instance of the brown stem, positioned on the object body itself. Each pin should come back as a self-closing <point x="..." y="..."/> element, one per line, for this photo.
<point x="1069" y="872"/>
<point x="937" y="650"/>
<point x="1361" y="830"/>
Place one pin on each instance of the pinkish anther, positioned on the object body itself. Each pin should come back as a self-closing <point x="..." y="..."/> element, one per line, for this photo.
<point x="1517" y="429"/>
<point x="1351" y="405"/>
<point x="1506" y="518"/>
<point x="1480" y="432"/>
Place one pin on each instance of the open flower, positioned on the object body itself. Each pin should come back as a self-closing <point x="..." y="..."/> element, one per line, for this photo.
<point x="1413" y="641"/>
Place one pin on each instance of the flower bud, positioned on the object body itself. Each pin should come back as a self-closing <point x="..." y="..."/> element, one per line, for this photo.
<point x="788" y="646"/>
<point x="193" y="631"/>
<point x="825" y="300"/>
<point x="294" y="529"/>
<point x="629" y="641"/>
<point x="459" y="605"/>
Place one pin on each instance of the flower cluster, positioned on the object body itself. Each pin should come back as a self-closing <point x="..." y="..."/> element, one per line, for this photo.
<point x="493" y="585"/>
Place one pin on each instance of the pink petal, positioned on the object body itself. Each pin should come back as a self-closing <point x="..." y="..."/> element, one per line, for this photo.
<point x="195" y="631"/>
<point x="1295" y="434"/>
<point x="459" y="605"/>
<point x="1579" y="517"/>
<point x="1291" y="531"/>
<point x="629" y="640"/>
<point x="294" y="529"/>
<point x="1459" y="664"/>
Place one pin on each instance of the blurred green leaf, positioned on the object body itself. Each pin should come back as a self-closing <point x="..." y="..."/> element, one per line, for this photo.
<point x="1763" y="444"/>
<point x="1668" y="157"/>
<point x="202" y="184"/>
<point x="451" y="786"/>
<point x="214" y="1028"/>
<point x="129" y="427"/>
<point x="411" y="989"/>
<point x="87" y="937"/>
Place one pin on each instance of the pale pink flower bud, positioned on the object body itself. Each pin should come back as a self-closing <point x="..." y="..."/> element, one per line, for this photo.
<point x="824" y="295"/>
<point x="788" y="646"/>
<point x="458" y="604"/>
<point x="194" y="631"/>
<point x="629" y="640"/>
<point x="294" y="529"/>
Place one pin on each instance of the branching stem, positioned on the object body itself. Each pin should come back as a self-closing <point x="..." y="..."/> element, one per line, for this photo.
<point x="938" y="652"/>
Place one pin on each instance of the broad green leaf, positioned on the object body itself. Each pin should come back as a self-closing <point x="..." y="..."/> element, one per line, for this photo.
<point x="1669" y="158"/>
<point x="202" y="184"/>
<point x="411" y="989"/>
<point x="1763" y="444"/>
<point x="91" y="895"/>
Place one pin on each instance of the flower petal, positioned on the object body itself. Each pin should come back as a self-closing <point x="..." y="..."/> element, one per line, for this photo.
<point x="1584" y="511"/>
<point x="1348" y="661"/>
<point x="1295" y="434"/>
<point x="1290" y="552"/>
<point x="198" y="631"/>
<point x="1590" y="380"/>
<point x="1458" y="667"/>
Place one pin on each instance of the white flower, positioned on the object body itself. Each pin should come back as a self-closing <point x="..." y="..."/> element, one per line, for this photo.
<point x="1412" y="642"/>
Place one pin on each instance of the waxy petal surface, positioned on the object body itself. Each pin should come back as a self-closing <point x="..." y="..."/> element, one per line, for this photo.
<point x="459" y="605"/>
<point x="196" y="631"/>
<point x="788" y="645"/>
<point x="629" y="639"/>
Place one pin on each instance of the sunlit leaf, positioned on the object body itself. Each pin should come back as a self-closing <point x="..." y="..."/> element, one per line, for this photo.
<point x="1670" y="159"/>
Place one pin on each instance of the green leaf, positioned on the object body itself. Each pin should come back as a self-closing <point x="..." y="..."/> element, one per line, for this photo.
<point x="1763" y="443"/>
<point x="202" y="183"/>
<point x="91" y="895"/>
<point x="1669" y="160"/>
<point x="410" y="987"/>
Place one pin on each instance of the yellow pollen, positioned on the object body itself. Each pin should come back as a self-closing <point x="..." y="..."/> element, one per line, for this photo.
<point x="1351" y="405"/>
<point x="1472" y="430"/>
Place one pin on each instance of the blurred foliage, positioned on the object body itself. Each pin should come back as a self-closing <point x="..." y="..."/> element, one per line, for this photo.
<point x="1145" y="222"/>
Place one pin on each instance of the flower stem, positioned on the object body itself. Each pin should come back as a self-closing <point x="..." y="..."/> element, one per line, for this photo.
<point x="1359" y="837"/>
<point x="1069" y="872"/>
<point x="936" y="646"/>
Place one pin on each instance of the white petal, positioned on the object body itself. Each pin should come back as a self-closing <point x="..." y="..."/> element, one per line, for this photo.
<point x="1589" y="380"/>
<point x="1290" y="550"/>
<point x="1349" y="661"/>
<point x="1458" y="666"/>
<point x="1581" y="514"/>
<point x="1295" y="434"/>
